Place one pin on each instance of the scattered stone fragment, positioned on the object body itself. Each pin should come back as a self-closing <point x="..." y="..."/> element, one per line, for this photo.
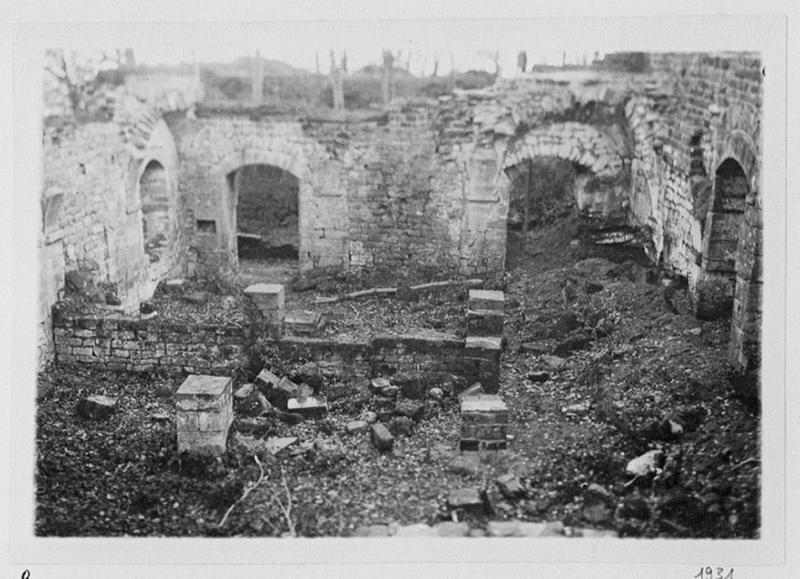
<point x="411" y="409"/>
<point x="244" y="391"/>
<point x="369" y="417"/>
<point x="464" y="464"/>
<point x="554" y="362"/>
<point x="160" y="415"/>
<point x="419" y="530"/>
<point x="527" y="529"/>
<point x="382" y="439"/>
<point x="274" y="445"/>
<point x="553" y="529"/>
<point x="97" y="406"/>
<point x="378" y="385"/>
<point x="175" y="285"/>
<point x="266" y="380"/>
<point x="401" y="426"/>
<point x="694" y="331"/>
<point x="372" y="531"/>
<point x="510" y="485"/>
<point x="595" y="534"/>
<point x="466" y="498"/>
<point x="575" y="409"/>
<point x="356" y="426"/>
<point x="648" y="463"/>
<point x="538" y="376"/>
<point x="503" y="529"/>
<point x="452" y="529"/>
<point x="436" y="393"/>
<point x="310" y="407"/>
<point x="474" y="390"/>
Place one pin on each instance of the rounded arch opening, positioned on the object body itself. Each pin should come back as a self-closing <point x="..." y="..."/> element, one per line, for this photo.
<point x="722" y="230"/>
<point x="155" y="197"/>
<point x="267" y="212"/>
<point x="542" y="190"/>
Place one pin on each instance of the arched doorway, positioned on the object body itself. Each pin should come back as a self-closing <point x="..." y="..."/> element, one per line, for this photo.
<point x="722" y="230"/>
<point x="266" y="216"/>
<point x="542" y="190"/>
<point x="155" y="195"/>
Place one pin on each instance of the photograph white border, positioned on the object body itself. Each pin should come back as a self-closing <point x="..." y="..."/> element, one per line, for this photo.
<point x="113" y="24"/>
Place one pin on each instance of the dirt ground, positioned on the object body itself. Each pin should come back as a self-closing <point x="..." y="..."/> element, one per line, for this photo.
<point x="635" y="373"/>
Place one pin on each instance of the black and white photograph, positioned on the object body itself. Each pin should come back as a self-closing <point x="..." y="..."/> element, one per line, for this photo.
<point x="367" y="290"/>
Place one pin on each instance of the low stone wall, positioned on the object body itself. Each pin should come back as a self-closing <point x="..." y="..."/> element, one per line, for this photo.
<point x="381" y="354"/>
<point x="116" y="342"/>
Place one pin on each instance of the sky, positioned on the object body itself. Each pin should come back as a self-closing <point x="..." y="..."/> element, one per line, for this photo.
<point x="471" y="42"/>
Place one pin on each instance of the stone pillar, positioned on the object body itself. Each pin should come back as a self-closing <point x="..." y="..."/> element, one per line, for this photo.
<point x="269" y="297"/>
<point x="204" y="414"/>
<point x="484" y="423"/>
<point x="484" y="337"/>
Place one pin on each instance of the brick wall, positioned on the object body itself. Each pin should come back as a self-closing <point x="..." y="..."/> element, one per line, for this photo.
<point x="92" y="213"/>
<point x="119" y="342"/>
<point x="379" y="355"/>
<point x="706" y="110"/>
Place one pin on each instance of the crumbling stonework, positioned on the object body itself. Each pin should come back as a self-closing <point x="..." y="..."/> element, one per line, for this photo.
<point x="423" y="187"/>
<point x="93" y="222"/>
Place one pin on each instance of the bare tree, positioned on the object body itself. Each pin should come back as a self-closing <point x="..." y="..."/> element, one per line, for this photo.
<point x="336" y="84"/>
<point x="435" y="64"/>
<point x="522" y="61"/>
<point x="387" y="87"/>
<point x="76" y="76"/>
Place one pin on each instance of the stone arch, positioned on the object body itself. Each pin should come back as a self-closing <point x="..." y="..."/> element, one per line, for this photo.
<point x="158" y="202"/>
<point x="597" y="190"/>
<point x="576" y="142"/>
<point x="721" y="239"/>
<point x="292" y="162"/>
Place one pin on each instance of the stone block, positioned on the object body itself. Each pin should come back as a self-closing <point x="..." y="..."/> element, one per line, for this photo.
<point x="451" y="529"/>
<point x="510" y="486"/>
<point x="465" y="498"/>
<point x="200" y="393"/>
<point x="204" y="414"/>
<point x="410" y="409"/>
<point x="269" y="297"/>
<point x="484" y="323"/>
<point x="266" y="380"/>
<point x="382" y="439"/>
<point x="486" y="300"/>
<point x="483" y="348"/>
<point x="310" y="406"/>
<point x="97" y="406"/>
<point x="356" y="426"/>
<point x="486" y="403"/>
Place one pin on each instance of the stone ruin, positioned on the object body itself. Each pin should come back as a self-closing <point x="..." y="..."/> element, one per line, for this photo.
<point x="154" y="193"/>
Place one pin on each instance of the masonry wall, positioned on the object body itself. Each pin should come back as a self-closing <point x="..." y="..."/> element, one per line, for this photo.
<point x="380" y="355"/>
<point x="707" y="110"/>
<point x="375" y="193"/>
<point x="92" y="224"/>
<point x="117" y="342"/>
